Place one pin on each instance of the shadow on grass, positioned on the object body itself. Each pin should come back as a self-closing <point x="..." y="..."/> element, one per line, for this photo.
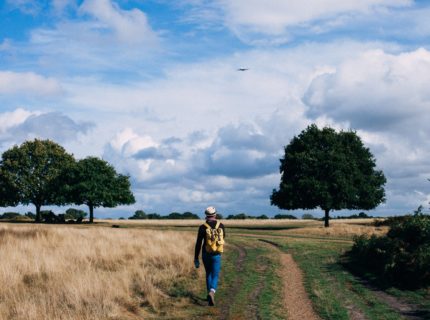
<point x="183" y="289"/>
<point x="199" y="301"/>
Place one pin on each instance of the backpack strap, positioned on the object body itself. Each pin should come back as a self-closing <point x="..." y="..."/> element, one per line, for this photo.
<point x="209" y="227"/>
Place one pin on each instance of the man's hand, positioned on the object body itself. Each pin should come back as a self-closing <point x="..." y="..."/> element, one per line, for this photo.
<point x="197" y="263"/>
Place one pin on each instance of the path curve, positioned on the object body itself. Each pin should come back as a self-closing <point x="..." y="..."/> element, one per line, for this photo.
<point x="296" y="299"/>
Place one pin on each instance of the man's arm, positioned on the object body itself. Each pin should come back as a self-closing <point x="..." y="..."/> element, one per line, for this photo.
<point x="199" y="240"/>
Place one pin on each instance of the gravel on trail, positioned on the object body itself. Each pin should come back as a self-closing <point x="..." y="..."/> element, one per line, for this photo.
<point x="296" y="299"/>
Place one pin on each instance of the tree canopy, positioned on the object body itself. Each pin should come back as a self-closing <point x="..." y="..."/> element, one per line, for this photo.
<point x="95" y="183"/>
<point x="330" y="170"/>
<point x="29" y="174"/>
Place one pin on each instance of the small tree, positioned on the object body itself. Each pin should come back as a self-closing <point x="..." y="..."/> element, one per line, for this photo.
<point x="30" y="173"/>
<point x="154" y="216"/>
<point x="328" y="169"/>
<point x="307" y="216"/>
<point x="189" y="215"/>
<point x="139" y="215"/>
<point x="95" y="183"/>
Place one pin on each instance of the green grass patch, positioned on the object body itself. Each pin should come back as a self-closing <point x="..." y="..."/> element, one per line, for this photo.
<point x="256" y="288"/>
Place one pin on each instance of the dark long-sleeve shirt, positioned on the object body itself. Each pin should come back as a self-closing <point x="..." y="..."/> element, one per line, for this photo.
<point x="201" y="236"/>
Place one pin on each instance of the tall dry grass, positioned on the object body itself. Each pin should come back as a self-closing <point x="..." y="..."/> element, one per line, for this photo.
<point x="344" y="228"/>
<point x="63" y="273"/>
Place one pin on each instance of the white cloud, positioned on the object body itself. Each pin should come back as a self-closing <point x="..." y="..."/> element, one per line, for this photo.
<point x="20" y="125"/>
<point x="375" y="91"/>
<point x="60" y="6"/>
<point x="30" y="7"/>
<point x="14" y="118"/>
<point x="28" y="83"/>
<point x="276" y="15"/>
<point x="97" y="35"/>
<point x="385" y="97"/>
<point x="129" y="26"/>
<point x="273" y="21"/>
<point x="127" y="142"/>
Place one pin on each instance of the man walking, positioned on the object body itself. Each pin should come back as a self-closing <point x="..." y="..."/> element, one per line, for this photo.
<point x="211" y="234"/>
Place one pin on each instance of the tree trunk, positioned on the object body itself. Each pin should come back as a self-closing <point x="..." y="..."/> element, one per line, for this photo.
<point x="326" y="216"/>
<point x="38" y="215"/>
<point x="91" y="213"/>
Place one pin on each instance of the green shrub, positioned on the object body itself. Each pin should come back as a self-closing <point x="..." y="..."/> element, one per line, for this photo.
<point x="9" y="215"/>
<point x="189" y="215"/>
<point x="240" y="216"/>
<point x="75" y="214"/>
<point x="179" y="216"/>
<point x="139" y="215"/>
<point x="307" y="216"/>
<point x="361" y="215"/>
<point x="153" y="216"/>
<point x="402" y="257"/>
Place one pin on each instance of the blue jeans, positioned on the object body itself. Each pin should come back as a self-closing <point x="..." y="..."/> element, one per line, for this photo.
<point x="212" y="265"/>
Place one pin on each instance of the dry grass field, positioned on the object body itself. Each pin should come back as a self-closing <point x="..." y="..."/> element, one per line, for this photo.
<point x="346" y="228"/>
<point x="230" y="223"/>
<point x="97" y="272"/>
<point x="60" y="272"/>
<point x="341" y="228"/>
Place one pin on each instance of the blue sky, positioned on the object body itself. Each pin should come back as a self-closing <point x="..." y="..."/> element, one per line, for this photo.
<point x="152" y="86"/>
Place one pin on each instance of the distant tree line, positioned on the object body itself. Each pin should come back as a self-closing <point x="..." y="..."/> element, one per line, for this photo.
<point x="42" y="173"/>
<point x="70" y="215"/>
<point x="141" y="215"/>
<point x="361" y="215"/>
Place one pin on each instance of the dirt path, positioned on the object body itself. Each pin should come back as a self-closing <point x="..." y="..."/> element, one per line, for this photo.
<point x="296" y="299"/>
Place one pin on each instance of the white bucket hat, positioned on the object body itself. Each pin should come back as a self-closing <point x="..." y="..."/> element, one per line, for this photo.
<point x="210" y="211"/>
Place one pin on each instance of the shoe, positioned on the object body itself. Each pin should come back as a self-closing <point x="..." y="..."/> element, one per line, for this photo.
<point x="211" y="298"/>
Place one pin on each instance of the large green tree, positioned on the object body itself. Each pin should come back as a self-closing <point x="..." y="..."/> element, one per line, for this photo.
<point x="8" y="193"/>
<point x="30" y="173"/>
<point x="330" y="170"/>
<point x="95" y="183"/>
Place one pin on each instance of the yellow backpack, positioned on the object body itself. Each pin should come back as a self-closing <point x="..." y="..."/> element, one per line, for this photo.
<point x="214" y="238"/>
